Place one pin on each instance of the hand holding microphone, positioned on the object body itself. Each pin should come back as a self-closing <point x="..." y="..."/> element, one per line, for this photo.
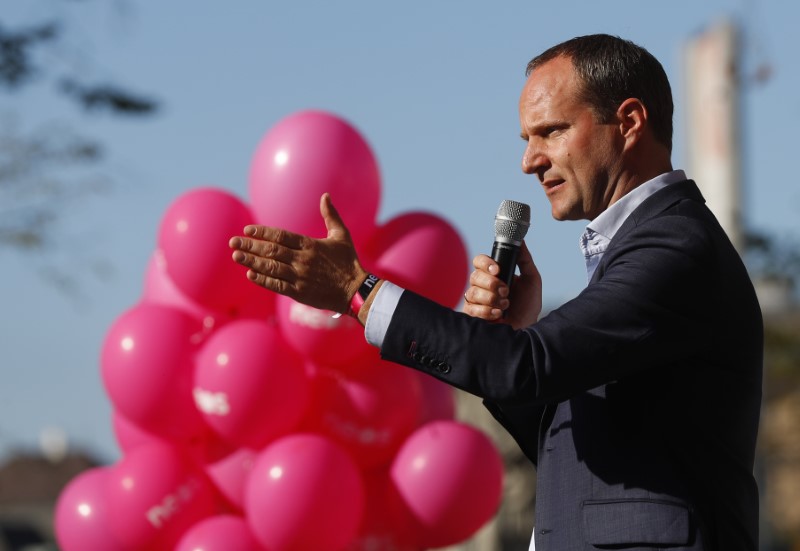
<point x="488" y="294"/>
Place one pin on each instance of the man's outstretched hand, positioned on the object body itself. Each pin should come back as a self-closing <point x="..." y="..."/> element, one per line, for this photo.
<point x="322" y="273"/>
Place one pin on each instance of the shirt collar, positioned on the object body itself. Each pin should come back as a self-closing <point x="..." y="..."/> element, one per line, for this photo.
<point x="611" y="219"/>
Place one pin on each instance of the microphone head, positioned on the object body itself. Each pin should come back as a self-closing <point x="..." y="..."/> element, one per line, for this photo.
<point x="511" y="222"/>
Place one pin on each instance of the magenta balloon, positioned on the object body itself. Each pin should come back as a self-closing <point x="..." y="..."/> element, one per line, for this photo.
<point x="81" y="514"/>
<point x="229" y="475"/>
<point x="219" y="533"/>
<point x="371" y="412"/>
<point x="250" y="386"/>
<point x="160" y="289"/>
<point x="449" y="476"/>
<point x="335" y="342"/>
<point x="259" y="306"/>
<point x="155" y="493"/>
<point x="129" y="435"/>
<point x="147" y="368"/>
<point x="438" y="400"/>
<point x="424" y="253"/>
<point x="303" y="156"/>
<point x="194" y="235"/>
<point x="304" y="493"/>
<point x="382" y="528"/>
<point x="203" y="447"/>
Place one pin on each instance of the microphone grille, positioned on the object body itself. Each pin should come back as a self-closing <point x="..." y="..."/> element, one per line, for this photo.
<point x="512" y="221"/>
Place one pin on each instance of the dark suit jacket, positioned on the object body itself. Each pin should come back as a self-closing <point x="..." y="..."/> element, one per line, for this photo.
<point x="638" y="400"/>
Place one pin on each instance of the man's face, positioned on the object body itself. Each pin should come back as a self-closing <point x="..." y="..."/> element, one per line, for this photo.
<point x="576" y="158"/>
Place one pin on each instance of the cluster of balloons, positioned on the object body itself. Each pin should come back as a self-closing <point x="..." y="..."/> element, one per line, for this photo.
<point x="248" y="421"/>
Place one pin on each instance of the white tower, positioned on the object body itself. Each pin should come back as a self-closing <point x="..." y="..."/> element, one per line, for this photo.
<point x="713" y="121"/>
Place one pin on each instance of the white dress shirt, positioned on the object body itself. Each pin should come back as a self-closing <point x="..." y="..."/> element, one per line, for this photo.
<point x="600" y="231"/>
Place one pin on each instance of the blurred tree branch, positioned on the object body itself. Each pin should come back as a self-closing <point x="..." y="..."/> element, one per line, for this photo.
<point x="43" y="169"/>
<point x="771" y="257"/>
<point x="17" y="68"/>
<point x="32" y="180"/>
<point x="777" y="259"/>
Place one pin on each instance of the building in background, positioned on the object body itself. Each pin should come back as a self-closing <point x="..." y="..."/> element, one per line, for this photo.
<point x="713" y="120"/>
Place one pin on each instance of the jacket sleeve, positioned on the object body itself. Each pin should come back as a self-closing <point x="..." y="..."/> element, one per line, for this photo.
<point x="643" y="310"/>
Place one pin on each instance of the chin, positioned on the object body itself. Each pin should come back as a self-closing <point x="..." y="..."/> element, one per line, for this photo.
<point x="568" y="216"/>
<point x="560" y="215"/>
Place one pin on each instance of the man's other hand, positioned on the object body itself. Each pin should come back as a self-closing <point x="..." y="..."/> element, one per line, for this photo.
<point x="322" y="273"/>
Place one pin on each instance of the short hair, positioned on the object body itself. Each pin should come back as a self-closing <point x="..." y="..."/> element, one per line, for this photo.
<point x="612" y="70"/>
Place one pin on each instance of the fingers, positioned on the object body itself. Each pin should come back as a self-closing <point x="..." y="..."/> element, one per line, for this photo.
<point x="484" y="312"/>
<point x="273" y="284"/>
<point x="485" y="287"/>
<point x="270" y="263"/>
<point x="487" y="296"/>
<point x="333" y="222"/>
<point x="269" y="266"/>
<point x="272" y="235"/>
<point x="525" y="262"/>
<point x="478" y="295"/>
<point x="486" y="264"/>
<point x="261" y="248"/>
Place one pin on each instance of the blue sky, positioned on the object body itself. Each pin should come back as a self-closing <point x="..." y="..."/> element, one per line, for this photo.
<point x="432" y="86"/>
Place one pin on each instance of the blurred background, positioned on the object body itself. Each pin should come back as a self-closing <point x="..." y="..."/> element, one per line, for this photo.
<point x="112" y="109"/>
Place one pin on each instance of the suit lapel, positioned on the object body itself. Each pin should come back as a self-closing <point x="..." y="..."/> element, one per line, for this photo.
<point x="652" y="206"/>
<point x="658" y="203"/>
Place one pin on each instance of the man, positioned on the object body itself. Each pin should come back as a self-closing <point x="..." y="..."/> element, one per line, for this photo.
<point x="638" y="401"/>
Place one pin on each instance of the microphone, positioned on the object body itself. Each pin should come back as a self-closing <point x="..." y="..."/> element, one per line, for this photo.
<point x="510" y="226"/>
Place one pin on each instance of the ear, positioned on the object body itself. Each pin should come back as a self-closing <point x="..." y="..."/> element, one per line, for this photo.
<point x="632" y="118"/>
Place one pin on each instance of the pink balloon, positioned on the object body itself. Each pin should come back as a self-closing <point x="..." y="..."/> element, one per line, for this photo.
<point x="219" y="533"/>
<point x="380" y="530"/>
<point x="336" y="342"/>
<point x="259" y="306"/>
<point x="230" y="473"/>
<point x="203" y="447"/>
<point x="370" y="413"/>
<point x="146" y="365"/>
<point x="207" y="448"/>
<point x="423" y="253"/>
<point x="160" y="289"/>
<point x="81" y="514"/>
<point x="250" y="386"/>
<point x="155" y="493"/>
<point x="194" y="235"/>
<point x="304" y="493"/>
<point x="438" y="400"/>
<point x="129" y="435"/>
<point x="305" y="155"/>
<point x="449" y="479"/>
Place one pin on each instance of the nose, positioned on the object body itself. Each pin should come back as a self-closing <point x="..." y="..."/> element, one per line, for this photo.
<point x="534" y="161"/>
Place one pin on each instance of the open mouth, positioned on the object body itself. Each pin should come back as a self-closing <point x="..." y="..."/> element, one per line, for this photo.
<point x="551" y="186"/>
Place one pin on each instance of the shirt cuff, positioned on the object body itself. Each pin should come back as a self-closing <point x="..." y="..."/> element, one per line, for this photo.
<point x="381" y="312"/>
